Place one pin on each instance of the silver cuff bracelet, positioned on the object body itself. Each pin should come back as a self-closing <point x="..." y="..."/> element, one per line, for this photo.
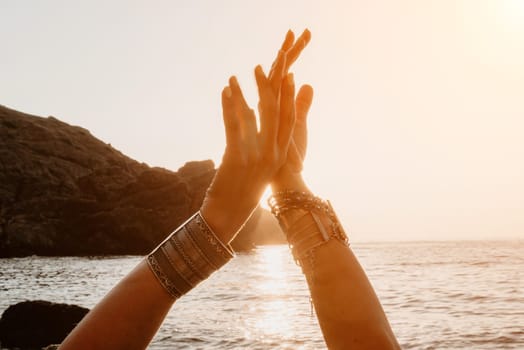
<point x="188" y="256"/>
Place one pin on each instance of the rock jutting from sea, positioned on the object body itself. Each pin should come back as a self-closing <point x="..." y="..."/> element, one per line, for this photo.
<point x="64" y="192"/>
<point x="38" y="323"/>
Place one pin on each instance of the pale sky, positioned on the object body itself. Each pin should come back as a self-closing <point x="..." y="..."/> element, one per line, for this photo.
<point x="416" y="126"/>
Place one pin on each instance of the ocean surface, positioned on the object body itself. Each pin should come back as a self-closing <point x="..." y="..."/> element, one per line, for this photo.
<point x="437" y="295"/>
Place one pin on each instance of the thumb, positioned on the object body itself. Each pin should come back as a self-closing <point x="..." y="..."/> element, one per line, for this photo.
<point x="303" y="102"/>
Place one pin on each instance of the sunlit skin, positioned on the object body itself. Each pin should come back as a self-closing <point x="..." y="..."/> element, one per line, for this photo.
<point x="346" y="305"/>
<point x="131" y="313"/>
<point x="347" y="308"/>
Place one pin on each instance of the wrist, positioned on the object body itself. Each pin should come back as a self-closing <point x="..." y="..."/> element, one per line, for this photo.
<point x="223" y="220"/>
<point x="188" y="256"/>
<point x="294" y="182"/>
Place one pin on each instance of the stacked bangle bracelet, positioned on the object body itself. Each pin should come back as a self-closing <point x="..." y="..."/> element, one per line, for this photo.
<point x="307" y="221"/>
<point x="188" y="256"/>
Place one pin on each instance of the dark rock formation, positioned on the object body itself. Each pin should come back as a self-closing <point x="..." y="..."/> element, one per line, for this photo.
<point x="35" y="324"/>
<point x="64" y="192"/>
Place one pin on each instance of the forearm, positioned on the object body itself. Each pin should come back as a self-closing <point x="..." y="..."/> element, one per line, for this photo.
<point x="130" y="314"/>
<point x="348" y="310"/>
<point x="127" y="317"/>
<point x="346" y="305"/>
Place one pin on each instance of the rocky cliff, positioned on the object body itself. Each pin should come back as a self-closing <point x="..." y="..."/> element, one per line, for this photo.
<point x="64" y="192"/>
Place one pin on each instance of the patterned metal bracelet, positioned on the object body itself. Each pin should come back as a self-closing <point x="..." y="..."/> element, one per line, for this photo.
<point x="303" y="218"/>
<point x="288" y="200"/>
<point x="188" y="256"/>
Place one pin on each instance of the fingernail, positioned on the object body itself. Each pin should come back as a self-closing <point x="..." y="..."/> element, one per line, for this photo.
<point x="227" y="92"/>
<point x="233" y="80"/>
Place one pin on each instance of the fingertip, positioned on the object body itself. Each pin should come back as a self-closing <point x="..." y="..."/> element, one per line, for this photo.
<point x="307" y="35"/>
<point x="288" y="41"/>
<point x="233" y="81"/>
<point x="259" y="72"/>
<point x="306" y="89"/>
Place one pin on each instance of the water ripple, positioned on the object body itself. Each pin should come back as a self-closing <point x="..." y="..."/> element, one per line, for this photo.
<point x="443" y="295"/>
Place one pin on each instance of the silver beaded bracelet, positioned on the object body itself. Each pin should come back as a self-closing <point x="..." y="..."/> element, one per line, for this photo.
<point x="188" y="256"/>
<point x="308" y="231"/>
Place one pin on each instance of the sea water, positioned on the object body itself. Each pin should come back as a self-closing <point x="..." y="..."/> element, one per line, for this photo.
<point x="437" y="295"/>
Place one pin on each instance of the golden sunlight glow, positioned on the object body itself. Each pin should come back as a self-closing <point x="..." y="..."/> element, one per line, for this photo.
<point x="494" y="34"/>
<point x="274" y="325"/>
<point x="512" y="15"/>
<point x="272" y="319"/>
<point x="514" y="9"/>
<point x="273" y="259"/>
<point x="265" y="196"/>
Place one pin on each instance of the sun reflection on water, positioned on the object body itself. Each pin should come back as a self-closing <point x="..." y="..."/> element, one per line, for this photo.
<point x="275" y="313"/>
<point x="273" y="259"/>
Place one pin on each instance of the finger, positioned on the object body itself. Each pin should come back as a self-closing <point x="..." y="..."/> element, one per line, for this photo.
<point x="278" y="72"/>
<point x="290" y="57"/>
<point x="237" y="92"/>
<point x="286" y="45"/>
<point x="231" y="122"/>
<point x="245" y="115"/>
<point x="297" y="150"/>
<point x="250" y="132"/>
<point x="297" y="48"/>
<point x="303" y="102"/>
<point x="287" y="113"/>
<point x="288" y="41"/>
<point x="267" y="109"/>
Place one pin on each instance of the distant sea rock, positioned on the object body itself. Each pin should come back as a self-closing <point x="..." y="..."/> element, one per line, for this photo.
<point x="261" y="229"/>
<point x="35" y="324"/>
<point x="64" y="192"/>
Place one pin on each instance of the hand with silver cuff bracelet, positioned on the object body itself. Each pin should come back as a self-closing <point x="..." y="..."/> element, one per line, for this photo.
<point x="349" y="313"/>
<point x="131" y="313"/>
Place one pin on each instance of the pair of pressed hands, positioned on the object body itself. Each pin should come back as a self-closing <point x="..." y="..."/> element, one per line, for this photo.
<point x="347" y="308"/>
<point x="349" y="313"/>
<point x="254" y="158"/>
